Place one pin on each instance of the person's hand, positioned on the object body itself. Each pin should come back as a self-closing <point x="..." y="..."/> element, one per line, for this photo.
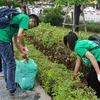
<point x="75" y="76"/>
<point x="24" y="50"/>
<point x="98" y="76"/>
<point x="24" y="53"/>
<point x="24" y="56"/>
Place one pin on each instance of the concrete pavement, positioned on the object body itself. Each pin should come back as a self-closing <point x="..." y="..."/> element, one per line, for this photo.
<point x="37" y="93"/>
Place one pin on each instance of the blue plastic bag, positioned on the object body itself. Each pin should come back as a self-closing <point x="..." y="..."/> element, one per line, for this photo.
<point x="26" y="73"/>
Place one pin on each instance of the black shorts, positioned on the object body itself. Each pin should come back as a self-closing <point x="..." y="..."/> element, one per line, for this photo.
<point x="93" y="81"/>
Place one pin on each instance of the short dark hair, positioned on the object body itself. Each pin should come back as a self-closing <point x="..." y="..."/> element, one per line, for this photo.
<point x="35" y="17"/>
<point x="71" y="39"/>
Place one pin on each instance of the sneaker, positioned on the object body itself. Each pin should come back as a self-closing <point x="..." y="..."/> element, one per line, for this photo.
<point x="18" y="94"/>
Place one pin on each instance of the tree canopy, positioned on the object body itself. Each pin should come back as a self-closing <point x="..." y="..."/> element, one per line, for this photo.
<point x="15" y="3"/>
<point x="98" y="1"/>
<point x="71" y="2"/>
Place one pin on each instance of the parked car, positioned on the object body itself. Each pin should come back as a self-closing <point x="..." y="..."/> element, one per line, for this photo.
<point x="89" y="9"/>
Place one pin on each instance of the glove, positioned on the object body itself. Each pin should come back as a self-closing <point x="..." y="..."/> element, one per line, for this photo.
<point x="24" y="56"/>
<point x="24" y="53"/>
<point x="98" y="76"/>
<point x="75" y="76"/>
<point x="24" y="50"/>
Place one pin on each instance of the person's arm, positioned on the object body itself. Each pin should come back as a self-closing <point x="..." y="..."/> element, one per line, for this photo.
<point x="21" y="37"/>
<point x="23" y="54"/>
<point x="77" y="66"/>
<point x="93" y="61"/>
<point x="17" y="44"/>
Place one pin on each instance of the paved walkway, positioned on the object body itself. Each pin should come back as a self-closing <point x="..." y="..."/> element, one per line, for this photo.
<point x="37" y="93"/>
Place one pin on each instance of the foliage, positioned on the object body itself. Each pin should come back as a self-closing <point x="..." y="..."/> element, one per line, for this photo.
<point x="71" y="2"/>
<point x="3" y="3"/>
<point x="31" y="1"/>
<point x="90" y="25"/>
<point x="50" y="35"/>
<point x="14" y="3"/>
<point x="53" y="16"/>
<point x="49" y="40"/>
<point x="93" y="27"/>
<point x="57" y="80"/>
<point x="47" y="35"/>
<point x="98" y="1"/>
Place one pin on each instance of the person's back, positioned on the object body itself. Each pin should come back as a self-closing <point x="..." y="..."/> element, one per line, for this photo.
<point x="20" y="20"/>
<point x="82" y="46"/>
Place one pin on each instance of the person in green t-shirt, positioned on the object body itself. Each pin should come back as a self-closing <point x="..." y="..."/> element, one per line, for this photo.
<point x="88" y="56"/>
<point x="23" y="22"/>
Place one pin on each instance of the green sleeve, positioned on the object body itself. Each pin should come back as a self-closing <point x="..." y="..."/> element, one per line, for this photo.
<point x="24" y="22"/>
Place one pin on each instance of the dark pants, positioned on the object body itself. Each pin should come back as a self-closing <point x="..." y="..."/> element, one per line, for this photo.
<point x="0" y="66"/>
<point x="8" y="65"/>
<point x="93" y="81"/>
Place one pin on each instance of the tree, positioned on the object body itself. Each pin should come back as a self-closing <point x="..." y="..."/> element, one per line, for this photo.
<point x="98" y="1"/>
<point x="16" y="3"/>
<point x="71" y="2"/>
<point x="9" y="3"/>
<point x="77" y="9"/>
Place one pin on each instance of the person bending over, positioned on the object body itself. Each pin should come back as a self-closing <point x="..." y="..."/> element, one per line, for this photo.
<point x="89" y="57"/>
<point x="24" y="22"/>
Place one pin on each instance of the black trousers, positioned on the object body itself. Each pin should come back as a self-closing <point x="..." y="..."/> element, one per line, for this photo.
<point x="0" y="66"/>
<point x="93" y="81"/>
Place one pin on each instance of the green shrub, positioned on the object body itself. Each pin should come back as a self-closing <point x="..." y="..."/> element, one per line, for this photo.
<point x="57" y="80"/>
<point x="54" y="77"/>
<point x="52" y="16"/>
<point x="93" y="27"/>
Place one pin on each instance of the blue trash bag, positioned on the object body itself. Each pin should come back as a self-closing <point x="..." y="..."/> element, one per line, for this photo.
<point x="26" y="73"/>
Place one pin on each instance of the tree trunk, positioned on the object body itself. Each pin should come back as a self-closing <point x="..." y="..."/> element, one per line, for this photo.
<point x="77" y="16"/>
<point x="24" y="3"/>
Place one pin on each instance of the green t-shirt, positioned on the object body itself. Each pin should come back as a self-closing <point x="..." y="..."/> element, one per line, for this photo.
<point x="7" y="33"/>
<point x="82" y="46"/>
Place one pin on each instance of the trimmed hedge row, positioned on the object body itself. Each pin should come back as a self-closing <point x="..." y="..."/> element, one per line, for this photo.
<point x="49" y="40"/>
